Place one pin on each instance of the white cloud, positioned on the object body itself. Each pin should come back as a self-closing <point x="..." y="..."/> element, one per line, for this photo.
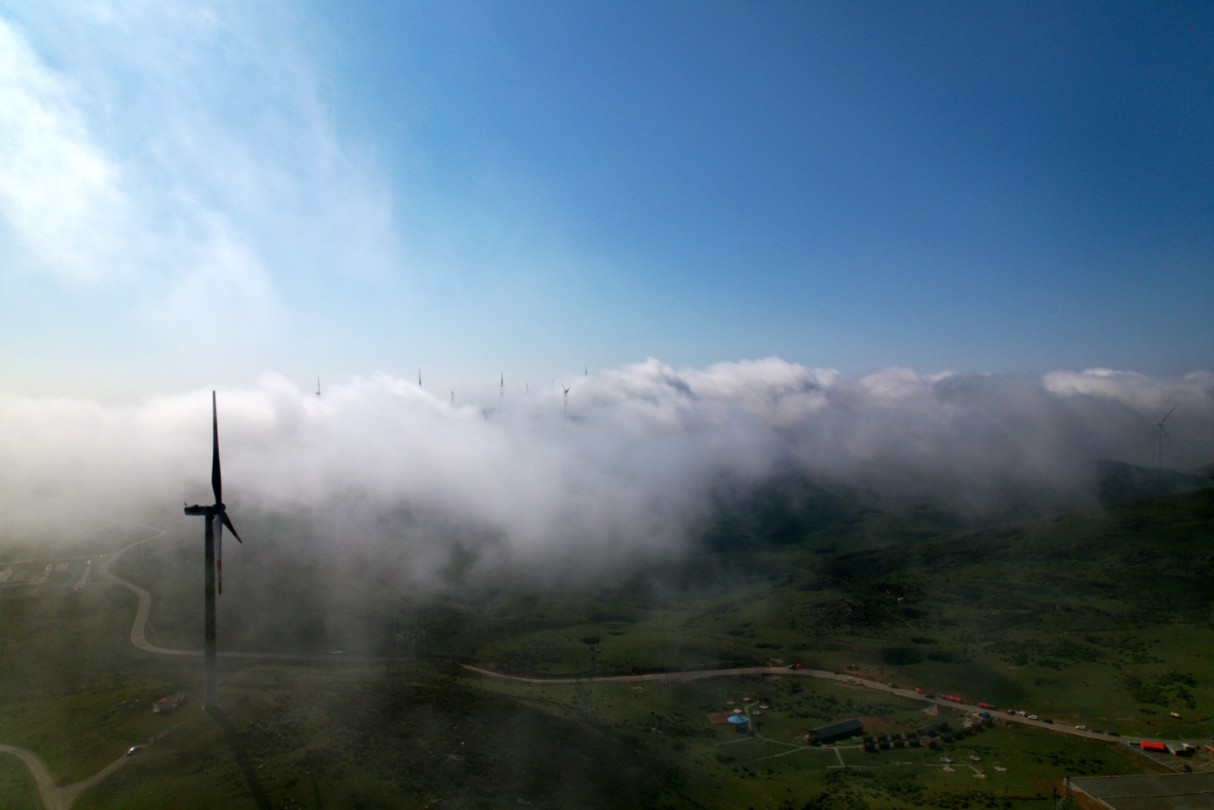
<point x="61" y="195"/>
<point x="168" y="147"/>
<point x="632" y="472"/>
<point x="1138" y="391"/>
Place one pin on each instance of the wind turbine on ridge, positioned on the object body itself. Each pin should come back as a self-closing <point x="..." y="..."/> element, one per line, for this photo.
<point x="213" y="559"/>
<point x="1163" y="434"/>
<point x="317" y="386"/>
<point x="566" y="388"/>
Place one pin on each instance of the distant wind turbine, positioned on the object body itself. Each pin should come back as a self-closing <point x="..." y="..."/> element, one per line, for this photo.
<point x="501" y="387"/>
<point x="213" y="558"/>
<point x="419" y="378"/>
<point x="566" y="388"/>
<point x="452" y="396"/>
<point x="318" y="386"/>
<point x="1163" y="434"/>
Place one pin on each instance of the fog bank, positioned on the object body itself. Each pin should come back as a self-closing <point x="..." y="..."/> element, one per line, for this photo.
<point x="629" y="469"/>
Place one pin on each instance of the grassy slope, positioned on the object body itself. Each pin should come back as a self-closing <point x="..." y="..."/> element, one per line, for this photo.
<point x="16" y="785"/>
<point x="1103" y="619"/>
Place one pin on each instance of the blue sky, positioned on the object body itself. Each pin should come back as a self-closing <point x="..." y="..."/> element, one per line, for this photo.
<point x="194" y="194"/>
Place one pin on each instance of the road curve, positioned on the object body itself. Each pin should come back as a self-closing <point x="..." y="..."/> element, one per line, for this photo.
<point x="139" y="626"/>
<point x="145" y="600"/>
<point x="53" y="796"/>
<point x="145" y="605"/>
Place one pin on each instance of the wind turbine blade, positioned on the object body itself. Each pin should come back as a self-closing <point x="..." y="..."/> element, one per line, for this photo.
<point x="227" y="521"/>
<point x="216" y="475"/>
<point x="1161" y="421"/>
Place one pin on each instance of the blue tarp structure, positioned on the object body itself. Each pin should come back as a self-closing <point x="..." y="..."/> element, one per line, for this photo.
<point x="739" y="720"/>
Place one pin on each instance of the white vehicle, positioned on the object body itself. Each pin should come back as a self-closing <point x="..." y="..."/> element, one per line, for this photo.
<point x="1082" y="727"/>
<point x="1033" y="717"/>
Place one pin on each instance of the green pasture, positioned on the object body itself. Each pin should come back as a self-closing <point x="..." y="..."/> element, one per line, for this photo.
<point x="1102" y="618"/>
<point x="16" y="785"/>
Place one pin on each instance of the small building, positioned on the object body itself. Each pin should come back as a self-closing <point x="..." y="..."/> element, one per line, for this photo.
<point x="167" y="705"/>
<point x="932" y="729"/>
<point x="836" y="731"/>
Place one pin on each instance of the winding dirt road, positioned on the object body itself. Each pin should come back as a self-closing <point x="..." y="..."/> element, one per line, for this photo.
<point x="54" y="797"/>
<point x="820" y="674"/>
<point x="145" y="600"/>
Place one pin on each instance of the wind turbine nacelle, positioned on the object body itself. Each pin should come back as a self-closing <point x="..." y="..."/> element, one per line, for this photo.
<point x="199" y="510"/>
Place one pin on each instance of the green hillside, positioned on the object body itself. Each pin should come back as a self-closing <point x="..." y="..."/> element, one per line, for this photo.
<point x="1100" y="616"/>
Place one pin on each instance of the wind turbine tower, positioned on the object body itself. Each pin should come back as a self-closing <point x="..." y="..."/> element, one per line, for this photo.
<point x="212" y="559"/>
<point x="317" y="386"/>
<point x="566" y="388"/>
<point x="501" y="387"/>
<point x="419" y="378"/>
<point x="452" y="396"/>
<point x="1163" y="434"/>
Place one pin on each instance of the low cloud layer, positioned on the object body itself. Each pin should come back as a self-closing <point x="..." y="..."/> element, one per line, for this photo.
<point x="631" y="470"/>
